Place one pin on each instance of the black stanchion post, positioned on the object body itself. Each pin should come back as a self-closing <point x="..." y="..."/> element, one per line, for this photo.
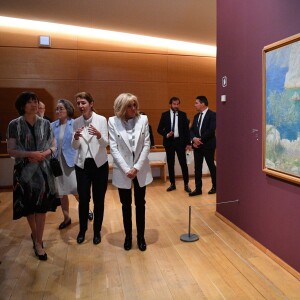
<point x="190" y="214"/>
<point x="189" y="237"/>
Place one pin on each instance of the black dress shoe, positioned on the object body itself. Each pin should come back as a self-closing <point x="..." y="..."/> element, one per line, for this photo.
<point x="91" y="216"/>
<point x="212" y="191"/>
<point x="97" y="238"/>
<point x="195" y="193"/>
<point x="172" y="187"/>
<point x="128" y="243"/>
<point x="187" y="188"/>
<point x="41" y="256"/>
<point x="80" y="237"/>
<point x="141" y="244"/>
<point x="63" y="225"/>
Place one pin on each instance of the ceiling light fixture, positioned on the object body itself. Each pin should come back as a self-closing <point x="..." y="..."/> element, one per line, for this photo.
<point x="135" y="39"/>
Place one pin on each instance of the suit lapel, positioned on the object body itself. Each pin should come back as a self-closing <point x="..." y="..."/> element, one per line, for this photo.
<point x="137" y="130"/>
<point x="68" y="130"/>
<point x="205" y="119"/>
<point x="121" y="129"/>
<point x="168" y="121"/>
<point x="179" y="119"/>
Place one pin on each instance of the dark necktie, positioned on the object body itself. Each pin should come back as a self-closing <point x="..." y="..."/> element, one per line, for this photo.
<point x="173" y="124"/>
<point x="199" y="123"/>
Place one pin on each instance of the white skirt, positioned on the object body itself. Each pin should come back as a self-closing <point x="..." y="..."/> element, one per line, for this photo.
<point x="66" y="184"/>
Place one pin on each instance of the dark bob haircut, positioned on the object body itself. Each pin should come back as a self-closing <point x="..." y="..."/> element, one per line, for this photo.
<point x="68" y="106"/>
<point x="22" y="99"/>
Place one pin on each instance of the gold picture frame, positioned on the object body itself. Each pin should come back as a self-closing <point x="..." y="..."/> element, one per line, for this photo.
<point x="281" y="109"/>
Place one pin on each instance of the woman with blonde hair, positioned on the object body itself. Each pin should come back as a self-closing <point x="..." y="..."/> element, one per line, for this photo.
<point x="129" y="147"/>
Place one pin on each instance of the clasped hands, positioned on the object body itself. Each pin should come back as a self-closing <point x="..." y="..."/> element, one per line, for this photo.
<point x="132" y="173"/>
<point x="36" y="156"/>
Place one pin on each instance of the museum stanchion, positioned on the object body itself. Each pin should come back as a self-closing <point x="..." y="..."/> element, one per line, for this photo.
<point x="192" y="237"/>
<point x="189" y="237"/>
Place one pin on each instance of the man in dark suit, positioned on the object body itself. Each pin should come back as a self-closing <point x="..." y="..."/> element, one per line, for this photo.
<point x="174" y="127"/>
<point x="204" y="143"/>
<point x="152" y="144"/>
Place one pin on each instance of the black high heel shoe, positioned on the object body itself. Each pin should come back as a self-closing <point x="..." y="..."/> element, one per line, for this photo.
<point x="40" y="256"/>
<point x="63" y="225"/>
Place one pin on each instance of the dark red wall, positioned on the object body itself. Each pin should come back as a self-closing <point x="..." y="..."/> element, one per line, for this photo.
<point x="269" y="209"/>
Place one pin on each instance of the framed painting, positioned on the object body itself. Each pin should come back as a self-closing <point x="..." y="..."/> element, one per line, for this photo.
<point x="281" y="109"/>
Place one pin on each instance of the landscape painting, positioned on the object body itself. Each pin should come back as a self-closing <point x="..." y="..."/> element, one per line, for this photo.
<point x="281" y="109"/>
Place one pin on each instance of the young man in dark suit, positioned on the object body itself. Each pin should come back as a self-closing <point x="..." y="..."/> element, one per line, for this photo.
<point x="204" y="143"/>
<point x="174" y="127"/>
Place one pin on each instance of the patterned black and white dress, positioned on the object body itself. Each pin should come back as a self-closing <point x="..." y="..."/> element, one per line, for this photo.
<point x="33" y="183"/>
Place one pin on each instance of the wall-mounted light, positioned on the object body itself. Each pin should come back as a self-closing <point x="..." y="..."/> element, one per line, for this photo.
<point x="44" y="41"/>
<point x="128" y="38"/>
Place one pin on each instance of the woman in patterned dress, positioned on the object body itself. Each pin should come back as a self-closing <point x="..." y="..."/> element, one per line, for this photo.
<point x="30" y="141"/>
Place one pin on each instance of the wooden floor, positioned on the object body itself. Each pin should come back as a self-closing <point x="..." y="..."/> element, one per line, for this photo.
<point x="220" y="265"/>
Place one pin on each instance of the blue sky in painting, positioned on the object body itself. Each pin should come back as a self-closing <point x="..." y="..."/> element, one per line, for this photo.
<point x="278" y="64"/>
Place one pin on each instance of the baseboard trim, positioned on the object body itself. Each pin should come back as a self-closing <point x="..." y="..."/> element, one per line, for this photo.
<point x="273" y="256"/>
<point x="6" y="187"/>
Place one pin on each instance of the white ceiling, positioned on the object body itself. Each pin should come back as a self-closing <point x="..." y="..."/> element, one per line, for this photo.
<point x="184" y="20"/>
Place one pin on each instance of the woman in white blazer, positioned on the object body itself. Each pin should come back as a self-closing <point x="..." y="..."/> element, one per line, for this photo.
<point x="129" y="146"/>
<point x="90" y="139"/>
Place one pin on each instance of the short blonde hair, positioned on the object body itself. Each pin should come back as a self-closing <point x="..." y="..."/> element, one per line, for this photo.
<point x="121" y="103"/>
